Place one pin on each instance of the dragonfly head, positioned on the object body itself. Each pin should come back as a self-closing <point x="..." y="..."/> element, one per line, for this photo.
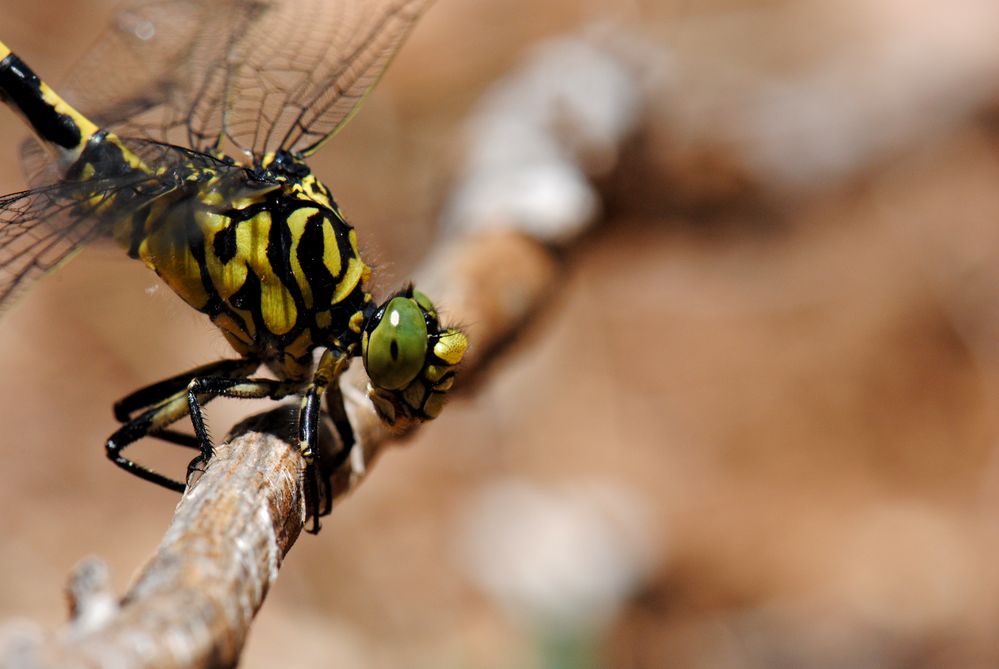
<point x="410" y="359"/>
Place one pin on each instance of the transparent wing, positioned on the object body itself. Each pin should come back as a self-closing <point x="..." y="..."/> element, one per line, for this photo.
<point x="37" y="233"/>
<point x="42" y="227"/>
<point x="303" y="70"/>
<point x="37" y="164"/>
<point x="144" y="74"/>
<point x="262" y="74"/>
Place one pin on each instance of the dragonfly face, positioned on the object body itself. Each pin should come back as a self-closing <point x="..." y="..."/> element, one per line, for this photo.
<point x="409" y="358"/>
<point x="262" y="249"/>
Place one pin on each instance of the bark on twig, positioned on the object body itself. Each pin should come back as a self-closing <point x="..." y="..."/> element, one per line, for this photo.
<point x="194" y="600"/>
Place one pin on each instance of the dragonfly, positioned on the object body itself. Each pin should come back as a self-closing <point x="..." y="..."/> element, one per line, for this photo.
<point x="183" y="138"/>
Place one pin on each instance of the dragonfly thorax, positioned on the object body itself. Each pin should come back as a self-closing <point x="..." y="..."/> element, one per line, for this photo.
<point x="266" y="255"/>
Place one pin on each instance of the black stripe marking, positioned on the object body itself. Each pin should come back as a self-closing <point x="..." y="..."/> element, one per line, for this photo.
<point x="224" y="243"/>
<point x="342" y="231"/>
<point x="215" y="305"/>
<point x="21" y="87"/>
<point x="279" y="258"/>
<point x="310" y="257"/>
<point x="139" y="218"/>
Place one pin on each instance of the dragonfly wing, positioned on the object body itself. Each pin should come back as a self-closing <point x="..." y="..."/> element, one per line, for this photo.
<point x="264" y="75"/>
<point x="156" y="63"/>
<point x="42" y="227"/>
<point x="37" y="164"/>
<point x="299" y="75"/>
<point x="38" y="231"/>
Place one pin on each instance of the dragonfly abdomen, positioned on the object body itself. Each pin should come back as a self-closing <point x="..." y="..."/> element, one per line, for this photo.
<point x="57" y="124"/>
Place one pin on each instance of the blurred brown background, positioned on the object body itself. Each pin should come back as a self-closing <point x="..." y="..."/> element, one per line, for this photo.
<point x="758" y="427"/>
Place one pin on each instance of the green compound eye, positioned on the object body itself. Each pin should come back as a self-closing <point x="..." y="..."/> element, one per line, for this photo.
<point x="397" y="347"/>
<point x="425" y="303"/>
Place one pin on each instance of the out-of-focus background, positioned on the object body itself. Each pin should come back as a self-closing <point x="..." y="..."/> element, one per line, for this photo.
<point x="757" y="428"/>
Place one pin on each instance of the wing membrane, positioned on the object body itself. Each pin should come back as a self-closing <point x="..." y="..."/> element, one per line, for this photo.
<point x="37" y="233"/>
<point x="42" y="227"/>
<point x="262" y="74"/>
<point x="145" y="74"/>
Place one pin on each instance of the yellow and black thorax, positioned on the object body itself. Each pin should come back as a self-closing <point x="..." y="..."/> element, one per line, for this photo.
<point x="263" y="251"/>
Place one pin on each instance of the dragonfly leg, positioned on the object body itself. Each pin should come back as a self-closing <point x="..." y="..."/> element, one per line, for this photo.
<point x="203" y="389"/>
<point x="154" y="393"/>
<point x="153" y="421"/>
<point x="150" y="410"/>
<point x="144" y="398"/>
<point x="325" y="381"/>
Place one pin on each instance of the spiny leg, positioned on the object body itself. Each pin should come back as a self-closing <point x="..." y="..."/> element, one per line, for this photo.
<point x="148" y="396"/>
<point x="161" y="404"/>
<point x="206" y="388"/>
<point x="222" y="381"/>
<point x="338" y="416"/>
<point x="331" y="365"/>
<point x="152" y="421"/>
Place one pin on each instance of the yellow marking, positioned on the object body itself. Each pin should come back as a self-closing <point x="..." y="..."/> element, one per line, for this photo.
<point x="451" y="346"/>
<point x="169" y="410"/>
<point x="241" y="202"/>
<point x="4" y="51"/>
<point x="276" y="303"/>
<point x="86" y="127"/>
<point x="352" y="238"/>
<point x="307" y="453"/>
<point x="313" y="190"/>
<point x="169" y="255"/>
<point x="240" y="339"/>
<point x="296" y="226"/>
<point x="352" y="277"/>
<point x="323" y="319"/>
<point x="356" y="321"/>
<point x="331" y="250"/>
<point x="301" y="345"/>
<point x="357" y="272"/>
<point x="133" y="160"/>
<point x="228" y="277"/>
<point x="211" y="198"/>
